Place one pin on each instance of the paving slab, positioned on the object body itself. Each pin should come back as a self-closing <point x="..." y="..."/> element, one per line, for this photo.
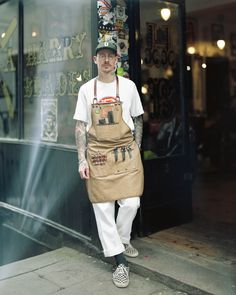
<point x="67" y="271"/>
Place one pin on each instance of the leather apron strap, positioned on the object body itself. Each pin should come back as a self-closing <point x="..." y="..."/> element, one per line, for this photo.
<point x="95" y="90"/>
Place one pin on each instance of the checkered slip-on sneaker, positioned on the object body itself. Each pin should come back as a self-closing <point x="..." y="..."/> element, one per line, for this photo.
<point x="120" y="276"/>
<point x="130" y="251"/>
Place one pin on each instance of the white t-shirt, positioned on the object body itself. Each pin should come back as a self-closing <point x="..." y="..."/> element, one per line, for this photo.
<point x="129" y="96"/>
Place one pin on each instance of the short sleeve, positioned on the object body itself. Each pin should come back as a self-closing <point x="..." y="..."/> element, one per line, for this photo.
<point x="136" y="108"/>
<point x="81" y="110"/>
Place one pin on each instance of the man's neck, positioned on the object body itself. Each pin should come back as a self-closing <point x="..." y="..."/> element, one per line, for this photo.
<point x="106" y="78"/>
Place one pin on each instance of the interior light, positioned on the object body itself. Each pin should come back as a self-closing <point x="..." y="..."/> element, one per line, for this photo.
<point x="188" y="68"/>
<point x="169" y="72"/>
<point x="34" y="34"/>
<point x="191" y="50"/>
<point x="204" y="65"/>
<point x="221" y="44"/>
<point x="3" y="35"/>
<point x="144" y="89"/>
<point x="165" y="13"/>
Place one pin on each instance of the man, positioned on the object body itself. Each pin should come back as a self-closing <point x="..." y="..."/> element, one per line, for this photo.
<point x="108" y="136"/>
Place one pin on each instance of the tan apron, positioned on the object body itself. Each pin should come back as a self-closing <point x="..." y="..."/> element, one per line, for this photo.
<point x="116" y="169"/>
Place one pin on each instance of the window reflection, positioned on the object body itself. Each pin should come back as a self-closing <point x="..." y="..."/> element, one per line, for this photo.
<point x="8" y="61"/>
<point x="57" y="62"/>
<point x="160" y="78"/>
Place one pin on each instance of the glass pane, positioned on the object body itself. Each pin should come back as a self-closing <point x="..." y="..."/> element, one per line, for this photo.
<point x="160" y="79"/>
<point x="57" y="40"/>
<point x="8" y="64"/>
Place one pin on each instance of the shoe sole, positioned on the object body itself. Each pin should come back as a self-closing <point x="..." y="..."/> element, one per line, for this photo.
<point x="132" y="256"/>
<point x="120" y="285"/>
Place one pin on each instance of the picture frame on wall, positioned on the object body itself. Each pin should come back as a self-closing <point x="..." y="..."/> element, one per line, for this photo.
<point x="233" y="71"/>
<point x="233" y="43"/>
<point x="150" y="35"/>
<point x="191" y="31"/>
<point x="162" y="37"/>
<point x="217" y="32"/>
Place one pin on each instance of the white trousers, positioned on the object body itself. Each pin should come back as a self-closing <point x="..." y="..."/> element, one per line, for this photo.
<point x="114" y="233"/>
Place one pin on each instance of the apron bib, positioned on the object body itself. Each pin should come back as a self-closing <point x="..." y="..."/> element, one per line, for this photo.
<point x="114" y="160"/>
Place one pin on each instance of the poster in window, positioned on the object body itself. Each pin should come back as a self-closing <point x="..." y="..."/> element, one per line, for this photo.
<point x="49" y="126"/>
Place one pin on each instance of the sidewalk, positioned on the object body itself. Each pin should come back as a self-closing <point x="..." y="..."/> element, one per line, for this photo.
<point x="187" y="261"/>
<point x="68" y="272"/>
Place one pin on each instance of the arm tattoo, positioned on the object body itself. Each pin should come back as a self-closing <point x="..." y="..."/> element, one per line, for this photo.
<point x="138" y="129"/>
<point x="81" y="142"/>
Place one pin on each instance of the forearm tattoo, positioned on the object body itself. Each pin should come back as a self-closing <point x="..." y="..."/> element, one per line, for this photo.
<point x="138" y="129"/>
<point x="81" y="142"/>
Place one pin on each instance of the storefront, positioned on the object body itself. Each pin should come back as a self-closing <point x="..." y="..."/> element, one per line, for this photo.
<point x="45" y="56"/>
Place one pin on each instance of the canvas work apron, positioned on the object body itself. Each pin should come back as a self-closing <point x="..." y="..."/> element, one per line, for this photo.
<point x="114" y="160"/>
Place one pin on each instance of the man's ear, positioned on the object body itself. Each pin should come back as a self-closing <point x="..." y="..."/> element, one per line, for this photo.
<point x="95" y="59"/>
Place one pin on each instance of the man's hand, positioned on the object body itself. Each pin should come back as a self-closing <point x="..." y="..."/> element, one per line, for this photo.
<point x="84" y="169"/>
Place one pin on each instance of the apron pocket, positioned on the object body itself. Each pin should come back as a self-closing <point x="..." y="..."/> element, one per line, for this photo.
<point x="108" y="132"/>
<point x="99" y="164"/>
<point x="106" y="120"/>
<point x="124" y="167"/>
<point x="128" y="160"/>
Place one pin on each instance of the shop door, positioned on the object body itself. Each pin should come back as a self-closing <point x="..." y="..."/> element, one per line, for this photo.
<point x="166" y="155"/>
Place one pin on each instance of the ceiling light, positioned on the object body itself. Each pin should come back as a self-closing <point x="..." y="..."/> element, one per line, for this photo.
<point x="191" y="50"/>
<point x="165" y="13"/>
<point x="204" y="65"/>
<point x="3" y="35"/>
<point x="221" y="44"/>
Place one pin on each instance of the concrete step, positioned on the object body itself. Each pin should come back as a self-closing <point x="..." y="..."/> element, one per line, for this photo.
<point x="182" y="270"/>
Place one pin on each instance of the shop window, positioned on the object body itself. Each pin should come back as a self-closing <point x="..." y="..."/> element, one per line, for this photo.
<point x="57" y="57"/>
<point x="160" y="78"/>
<point x="8" y="65"/>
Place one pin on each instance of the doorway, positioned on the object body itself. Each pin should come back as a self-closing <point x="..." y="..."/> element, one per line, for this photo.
<point x="212" y="99"/>
<point x="210" y="43"/>
<point x="184" y="198"/>
<point x="167" y="194"/>
<point x="214" y="186"/>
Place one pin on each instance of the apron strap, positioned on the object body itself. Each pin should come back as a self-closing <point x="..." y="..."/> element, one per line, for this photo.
<point x="95" y="90"/>
<point x="117" y="89"/>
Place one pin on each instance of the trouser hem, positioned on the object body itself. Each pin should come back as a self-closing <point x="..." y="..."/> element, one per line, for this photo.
<point x="113" y="252"/>
<point x="125" y="241"/>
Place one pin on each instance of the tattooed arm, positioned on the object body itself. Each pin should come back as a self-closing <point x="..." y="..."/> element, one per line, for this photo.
<point x="81" y="142"/>
<point x="138" y="130"/>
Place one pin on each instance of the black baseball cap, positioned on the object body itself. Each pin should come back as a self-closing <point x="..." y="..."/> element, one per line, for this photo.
<point x="106" y="45"/>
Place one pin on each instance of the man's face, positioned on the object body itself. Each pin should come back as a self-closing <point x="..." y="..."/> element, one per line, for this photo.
<point x="106" y="60"/>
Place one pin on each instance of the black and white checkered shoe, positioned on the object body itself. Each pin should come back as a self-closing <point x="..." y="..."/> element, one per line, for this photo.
<point x="130" y="251"/>
<point x="120" y="276"/>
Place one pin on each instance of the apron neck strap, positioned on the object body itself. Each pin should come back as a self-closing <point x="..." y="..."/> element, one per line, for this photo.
<point x="95" y="90"/>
